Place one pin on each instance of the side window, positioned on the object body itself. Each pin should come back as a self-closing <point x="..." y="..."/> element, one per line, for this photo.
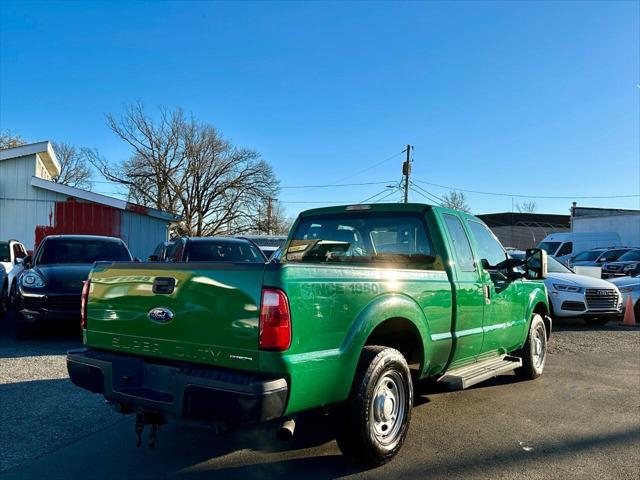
<point x="565" y="249"/>
<point x="489" y="248"/>
<point x="461" y="244"/>
<point x="174" y="253"/>
<point x="17" y="251"/>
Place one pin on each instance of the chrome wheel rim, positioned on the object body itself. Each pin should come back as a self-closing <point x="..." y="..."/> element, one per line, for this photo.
<point x="388" y="408"/>
<point x="539" y="346"/>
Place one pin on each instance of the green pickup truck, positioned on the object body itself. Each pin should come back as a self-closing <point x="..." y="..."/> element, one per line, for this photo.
<point x="360" y="303"/>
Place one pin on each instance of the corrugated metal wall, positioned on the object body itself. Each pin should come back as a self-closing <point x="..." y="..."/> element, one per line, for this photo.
<point x="28" y="213"/>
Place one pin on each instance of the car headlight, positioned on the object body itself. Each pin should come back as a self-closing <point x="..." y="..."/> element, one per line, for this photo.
<point x="567" y="288"/>
<point x="32" y="280"/>
<point x="625" y="289"/>
<point x="628" y="268"/>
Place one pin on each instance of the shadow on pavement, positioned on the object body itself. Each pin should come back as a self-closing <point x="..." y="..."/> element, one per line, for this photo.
<point x="50" y="341"/>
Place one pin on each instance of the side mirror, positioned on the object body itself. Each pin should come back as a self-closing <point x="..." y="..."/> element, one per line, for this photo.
<point x="153" y="258"/>
<point x="27" y="261"/>
<point x="536" y="264"/>
<point x="19" y="261"/>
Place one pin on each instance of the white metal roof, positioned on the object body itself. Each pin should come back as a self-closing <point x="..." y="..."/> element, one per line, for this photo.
<point x="43" y="149"/>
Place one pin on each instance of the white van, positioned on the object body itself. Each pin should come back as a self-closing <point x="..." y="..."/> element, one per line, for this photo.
<point x="565" y="245"/>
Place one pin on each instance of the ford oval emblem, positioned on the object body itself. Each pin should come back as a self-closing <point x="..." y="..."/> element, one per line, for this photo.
<point x="160" y="315"/>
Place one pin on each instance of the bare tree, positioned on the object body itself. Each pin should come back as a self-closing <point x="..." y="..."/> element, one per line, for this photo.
<point x="10" y="140"/>
<point x="527" y="207"/>
<point x="456" y="201"/>
<point x="75" y="169"/>
<point x="187" y="168"/>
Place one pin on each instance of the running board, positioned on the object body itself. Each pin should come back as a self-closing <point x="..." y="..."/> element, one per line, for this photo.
<point x="469" y="375"/>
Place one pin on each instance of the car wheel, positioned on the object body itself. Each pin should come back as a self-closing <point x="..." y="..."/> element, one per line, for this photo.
<point x="596" y="322"/>
<point x="636" y="310"/>
<point x="534" y="352"/>
<point x="3" y="300"/>
<point x="13" y="295"/>
<point x="374" y="421"/>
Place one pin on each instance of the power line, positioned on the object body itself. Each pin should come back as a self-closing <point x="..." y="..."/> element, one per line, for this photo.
<point x="388" y="195"/>
<point x="423" y="195"/>
<point x="371" y="167"/>
<point x="437" y="198"/>
<point x="336" y="185"/>
<point x="528" y="196"/>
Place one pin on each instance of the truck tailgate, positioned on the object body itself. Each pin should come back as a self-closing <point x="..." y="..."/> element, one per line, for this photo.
<point x="210" y="316"/>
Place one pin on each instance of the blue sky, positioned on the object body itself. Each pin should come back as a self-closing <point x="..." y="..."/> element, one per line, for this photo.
<point x="538" y="98"/>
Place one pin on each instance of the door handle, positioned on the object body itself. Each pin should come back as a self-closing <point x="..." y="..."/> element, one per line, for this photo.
<point x="487" y="294"/>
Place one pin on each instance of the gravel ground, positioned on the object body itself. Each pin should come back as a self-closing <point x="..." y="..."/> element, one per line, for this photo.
<point x="592" y="383"/>
<point x="41" y="411"/>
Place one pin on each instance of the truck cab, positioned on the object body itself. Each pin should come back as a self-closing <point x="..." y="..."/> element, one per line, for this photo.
<point x="360" y="302"/>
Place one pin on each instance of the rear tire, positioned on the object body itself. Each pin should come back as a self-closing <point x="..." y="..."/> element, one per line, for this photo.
<point x="534" y="352"/>
<point x="374" y="421"/>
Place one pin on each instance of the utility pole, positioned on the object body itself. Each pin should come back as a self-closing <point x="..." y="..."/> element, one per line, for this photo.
<point x="269" y="213"/>
<point x="406" y="171"/>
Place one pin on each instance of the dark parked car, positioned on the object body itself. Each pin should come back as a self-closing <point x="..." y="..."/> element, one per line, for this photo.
<point x="50" y="287"/>
<point x="4" y="291"/>
<point x="209" y="249"/>
<point x="627" y="264"/>
<point x="597" y="257"/>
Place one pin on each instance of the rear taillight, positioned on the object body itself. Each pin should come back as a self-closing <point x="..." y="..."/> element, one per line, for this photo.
<point x="275" y="321"/>
<point x="83" y="303"/>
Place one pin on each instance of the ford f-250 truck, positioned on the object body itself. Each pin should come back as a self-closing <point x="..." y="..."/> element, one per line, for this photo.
<point x="360" y="303"/>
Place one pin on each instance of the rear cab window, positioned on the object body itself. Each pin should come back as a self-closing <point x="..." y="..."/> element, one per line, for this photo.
<point x="401" y="240"/>
<point x="212" y="251"/>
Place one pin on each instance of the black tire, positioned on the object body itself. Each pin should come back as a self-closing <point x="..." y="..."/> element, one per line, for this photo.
<point x="534" y="352"/>
<point x="597" y="322"/>
<point x="13" y="295"/>
<point x="4" y="300"/>
<point x="374" y="421"/>
<point x="636" y="311"/>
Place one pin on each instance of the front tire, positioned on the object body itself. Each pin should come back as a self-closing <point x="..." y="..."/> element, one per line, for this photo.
<point x="375" y="419"/>
<point x="534" y="352"/>
<point x="4" y="300"/>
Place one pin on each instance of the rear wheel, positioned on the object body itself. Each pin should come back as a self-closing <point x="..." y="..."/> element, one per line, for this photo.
<point x="534" y="352"/>
<point x="374" y="421"/>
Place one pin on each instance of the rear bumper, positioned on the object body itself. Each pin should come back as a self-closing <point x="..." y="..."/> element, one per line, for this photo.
<point x="183" y="391"/>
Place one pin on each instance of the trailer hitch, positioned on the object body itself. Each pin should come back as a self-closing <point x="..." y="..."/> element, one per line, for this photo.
<point x="152" y="419"/>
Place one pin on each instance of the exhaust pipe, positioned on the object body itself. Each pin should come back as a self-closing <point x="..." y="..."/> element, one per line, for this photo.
<point x="286" y="430"/>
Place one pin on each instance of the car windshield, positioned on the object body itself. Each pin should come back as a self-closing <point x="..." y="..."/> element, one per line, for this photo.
<point x="549" y="247"/>
<point x="67" y="250"/>
<point x="630" y="256"/>
<point x="553" y="266"/>
<point x="612" y="255"/>
<point x="204" y="251"/>
<point x="4" y="252"/>
<point x="360" y="237"/>
<point x="588" y="256"/>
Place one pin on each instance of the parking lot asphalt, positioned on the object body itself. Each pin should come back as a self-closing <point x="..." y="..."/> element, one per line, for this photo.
<point x="581" y="419"/>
